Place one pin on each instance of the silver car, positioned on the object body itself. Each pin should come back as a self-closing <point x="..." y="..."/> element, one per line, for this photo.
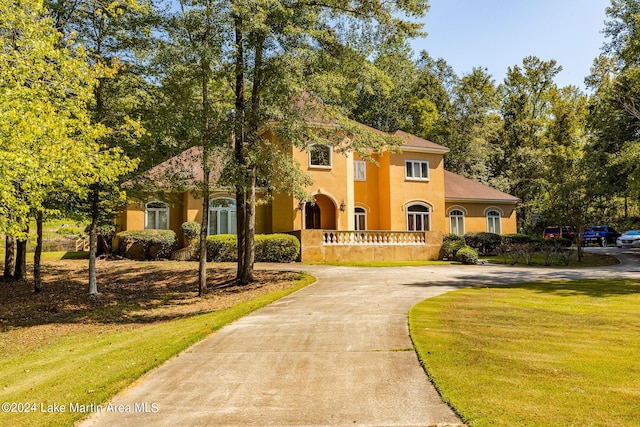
<point x="630" y="239"/>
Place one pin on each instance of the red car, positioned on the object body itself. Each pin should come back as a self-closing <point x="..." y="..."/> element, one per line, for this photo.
<point x="565" y="232"/>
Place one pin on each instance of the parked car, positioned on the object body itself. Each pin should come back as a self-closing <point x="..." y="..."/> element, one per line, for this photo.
<point x="630" y="239"/>
<point x="556" y="231"/>
<point x="601" y="235"/>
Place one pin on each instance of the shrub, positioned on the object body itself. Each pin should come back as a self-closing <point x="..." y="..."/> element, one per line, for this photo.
<point x="269" y="248"/>
<point x="516" y="238"/>
<point x="484" y="243"/>
<point x="222" y="248"/>
<point x="147" y="244"/>
<point x="467" y="255"/>
<point x="451" y="243"/>
<point x="106" y="232"/>
<point x="277" y="248"/>
<point x="191" y="231"/>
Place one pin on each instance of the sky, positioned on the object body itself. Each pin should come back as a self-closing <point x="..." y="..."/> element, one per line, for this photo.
<point x="497" y="34"/>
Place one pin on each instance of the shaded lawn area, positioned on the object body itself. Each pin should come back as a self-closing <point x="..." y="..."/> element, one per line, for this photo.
<point x="62" y="347"/>
<point x="589" y="260"/>
<point x="537" y="354"/>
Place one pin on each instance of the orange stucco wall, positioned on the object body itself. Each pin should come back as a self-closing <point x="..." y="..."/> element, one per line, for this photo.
<point x="475" y="216"/>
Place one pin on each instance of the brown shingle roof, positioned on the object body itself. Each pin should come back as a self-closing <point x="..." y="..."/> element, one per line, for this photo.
<point x="457" y="187"/>
<point x="182" y="170"/>
<point x="415" y="141"/>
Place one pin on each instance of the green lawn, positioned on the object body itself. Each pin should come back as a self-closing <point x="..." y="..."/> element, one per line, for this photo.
<point x="541" y="354"/>
<point x="87" y="362"/>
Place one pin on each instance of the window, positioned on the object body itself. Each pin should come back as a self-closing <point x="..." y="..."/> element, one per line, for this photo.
<point x="320" y="156"/>
<point x="418" y="218"/>
<point x="416" y="169"/>
<point x="493" y="222"/>
<point x="222" y="216"/>
<point x="156" y="216"/>
<point x="360" y="170"/>
<point x="361" y="219"/>
<point x="456" y="219"/>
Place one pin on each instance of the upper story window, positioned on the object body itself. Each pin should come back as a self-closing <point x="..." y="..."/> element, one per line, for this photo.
<point x="416" y="169"/>
<point x="222" y="216"/>
<point x="360" y="170"/>
<point x="493" y="222"/>
<point x="156" y="216"/>
<point x="320" y="156"/>
<point x="456" y="220"/>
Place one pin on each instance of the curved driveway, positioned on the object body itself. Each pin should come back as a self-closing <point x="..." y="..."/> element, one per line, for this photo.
<point x="337" y="352"/>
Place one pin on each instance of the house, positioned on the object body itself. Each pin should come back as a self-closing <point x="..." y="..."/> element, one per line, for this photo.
<point x="397" y="208"/>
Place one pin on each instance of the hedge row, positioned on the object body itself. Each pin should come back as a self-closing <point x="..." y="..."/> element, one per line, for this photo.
<point x="147" y="244"/>
<point x="269" y="248"/>
<point x="518" y="245"/>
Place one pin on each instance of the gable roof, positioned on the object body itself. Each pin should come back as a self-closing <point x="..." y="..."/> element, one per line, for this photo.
<point x="415" y="142"/>
<point x="457" y="187"/>
<point x="182" y="170"/>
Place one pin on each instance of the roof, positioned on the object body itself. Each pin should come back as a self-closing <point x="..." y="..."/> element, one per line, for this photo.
<point x="181" y="170"/>
<point x="413" y="141"/>
<point x="457" y="187"/>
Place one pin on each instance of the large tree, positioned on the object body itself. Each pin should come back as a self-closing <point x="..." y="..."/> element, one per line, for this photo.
<point x="47" y="139"/>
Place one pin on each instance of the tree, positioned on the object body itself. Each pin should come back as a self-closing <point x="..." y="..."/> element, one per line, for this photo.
<point x="525" y="112"/>
<point x="46" y="135"/>
<point x="110" y="31"/>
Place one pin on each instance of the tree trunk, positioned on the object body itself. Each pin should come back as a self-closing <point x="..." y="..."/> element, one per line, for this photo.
<point x="93" y="241"/>
<point x="37" y="272"/>
<point x="206" y="140"/>
<point x="202" y="265"/>
<point x="250" y="231"/>
<point x="21" y="258"/>
<point x="239" y="145"/>
<point x="9" y="257"/>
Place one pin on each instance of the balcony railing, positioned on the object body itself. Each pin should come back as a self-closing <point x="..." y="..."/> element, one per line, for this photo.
<point x="378" y="238"/>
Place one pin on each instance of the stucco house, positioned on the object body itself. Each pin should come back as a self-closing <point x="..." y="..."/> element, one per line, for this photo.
<point x="397" y="209"/>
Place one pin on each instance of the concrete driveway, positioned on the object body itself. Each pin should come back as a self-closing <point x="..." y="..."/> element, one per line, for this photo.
<point x="335" y="353"/>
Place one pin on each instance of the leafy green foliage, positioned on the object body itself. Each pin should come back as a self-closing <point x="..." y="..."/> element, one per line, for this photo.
<point x="147" y="244"/>
<point x="467" y="255"/>
<point x="191" y="231"/>
<point x="269" y="248"/>
<point x="451" y="243"/>
<point x="484" y="243"/>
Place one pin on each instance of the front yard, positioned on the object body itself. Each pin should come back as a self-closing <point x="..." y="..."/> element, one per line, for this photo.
<point x="61" y="348"/>
<point x="536" y="354"/>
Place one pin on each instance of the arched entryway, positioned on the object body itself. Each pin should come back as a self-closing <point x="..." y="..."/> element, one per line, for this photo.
<point x="321" y="214"/>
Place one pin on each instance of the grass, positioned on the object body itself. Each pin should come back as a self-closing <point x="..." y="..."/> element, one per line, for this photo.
<point x="589" y="260"/>
<point x="552" y="353"/>
<point x="88" y="355"/>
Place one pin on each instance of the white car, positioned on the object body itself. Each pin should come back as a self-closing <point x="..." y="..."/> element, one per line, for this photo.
<point x="630" y="239"/>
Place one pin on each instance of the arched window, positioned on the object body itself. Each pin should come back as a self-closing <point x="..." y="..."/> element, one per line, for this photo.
<point x="156" y="216"/>
<point x="493" y="222"/>
<point x="222" y="216"/>
<point x="361" y="219"/>
<point x="456" y="220"/>
<point x="320" y="156"/>
<point x="418" y="218"/>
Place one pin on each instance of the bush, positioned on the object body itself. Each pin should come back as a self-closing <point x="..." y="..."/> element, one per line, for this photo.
<point x="516" y="238"/>
<point x="222" y="248"/>
<point x="467" y="255"/>
<point x="484" y="243"/>
<point x="147" y="244"/>
<point x="106" y="232"/>
<point x="451" y="243"/>
<point x="191" y="231"/>
<point x="269" y="248"/>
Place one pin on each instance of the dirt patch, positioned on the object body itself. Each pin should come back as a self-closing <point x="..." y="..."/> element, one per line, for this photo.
<point x="130" y="292"/>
